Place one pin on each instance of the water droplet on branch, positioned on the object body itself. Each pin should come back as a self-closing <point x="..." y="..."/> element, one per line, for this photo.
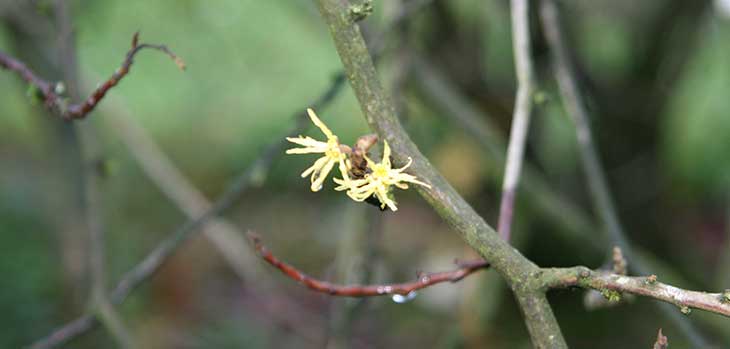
<point x="400" y="299"/>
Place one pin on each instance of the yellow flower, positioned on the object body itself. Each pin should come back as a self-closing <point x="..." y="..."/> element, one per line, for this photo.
<point x="379" y="181"/>
<point x="333" y="152"/>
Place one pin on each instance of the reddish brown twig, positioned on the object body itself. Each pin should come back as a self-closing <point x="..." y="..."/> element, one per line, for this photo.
<point x="10" y="63"/>
<point x="52" y="96"/>
<point x="424" y="279"/>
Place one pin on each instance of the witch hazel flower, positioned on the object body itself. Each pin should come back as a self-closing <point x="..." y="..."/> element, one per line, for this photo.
<point x="333" y="153"/>
<point x="367" y="180"/>
<point x="379" y="181"/>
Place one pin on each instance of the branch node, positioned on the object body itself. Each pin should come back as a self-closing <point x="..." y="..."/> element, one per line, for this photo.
<point x="651" y="279"/>
<point x="685" y="310"/>
<point x="358" y="12"/>
<point x="661" y="341"/>
<point x="725" y="297"/>
<point x="52" y="93"/>
<point x="619" y="262"/>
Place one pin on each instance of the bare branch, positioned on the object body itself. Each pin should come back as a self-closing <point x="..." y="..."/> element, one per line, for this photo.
<point x="611" y="284"/>
<point x="92" y="155"/>
<point x="521" y="117"/>
<point x="600" y="194"/>
<point x="152" y="262"/>
<point x="380" y="115"/>
<point x="12" y="64"/>
<point x="51" y="92"/>
<point x="423" y="281"/>
<point x="576" y="226"/>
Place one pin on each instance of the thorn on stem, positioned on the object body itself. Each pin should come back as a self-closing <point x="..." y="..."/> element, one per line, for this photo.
<point x="135" y="40"/>
<point x="661" y="341"/>
<point x="619" y="262"/>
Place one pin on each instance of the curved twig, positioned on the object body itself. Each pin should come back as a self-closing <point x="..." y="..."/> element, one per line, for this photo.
<point x="424" y="280"/>
<point x="51" y="93"/>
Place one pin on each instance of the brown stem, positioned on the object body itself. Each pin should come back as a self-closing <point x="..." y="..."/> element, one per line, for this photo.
<point x="423" y="281"/>
<point x="54" y="101"/>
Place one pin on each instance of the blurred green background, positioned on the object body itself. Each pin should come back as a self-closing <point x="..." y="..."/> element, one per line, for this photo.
<point x="655" y="73"/>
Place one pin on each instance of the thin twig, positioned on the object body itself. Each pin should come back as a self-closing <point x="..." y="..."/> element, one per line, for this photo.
<point x="575" y="225"/>
<point x="600" y="194"/>
<point x="51" y="93"/>
<point x="573" y="101"/>
<point x="423" y="281"/>
<point x="685" y="300"/>
<point x="355" y="262"/>
<point x="161" y="170"/>
<point x="521" y="118"/>
<point x="91" y="154"/>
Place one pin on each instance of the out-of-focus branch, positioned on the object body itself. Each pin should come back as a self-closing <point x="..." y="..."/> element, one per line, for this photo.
<point x="152" y="262"/>
<point x="158" y="167"/>
<point x="521" y="117"/>
<point x="573" y="101"/>
<point x="51" y="93"/>
<point x="600" y="194"/>
<point x="380" y="115"/>
<point x="92" y="156"/>
<point x="575" y="225"/>
<point x="612" y="285"/>
<point x="423" y="281"/>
